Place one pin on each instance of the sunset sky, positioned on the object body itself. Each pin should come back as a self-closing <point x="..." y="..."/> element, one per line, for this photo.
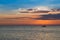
<point x="9" y="12"/>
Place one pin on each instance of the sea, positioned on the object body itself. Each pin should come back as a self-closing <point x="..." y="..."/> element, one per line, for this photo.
<point x="29" y="33"/>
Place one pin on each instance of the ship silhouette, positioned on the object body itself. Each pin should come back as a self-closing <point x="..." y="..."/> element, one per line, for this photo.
<point x="43" y="25"/>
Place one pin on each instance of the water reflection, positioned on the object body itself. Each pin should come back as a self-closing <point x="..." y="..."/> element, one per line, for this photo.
<point x="29" y="33"/>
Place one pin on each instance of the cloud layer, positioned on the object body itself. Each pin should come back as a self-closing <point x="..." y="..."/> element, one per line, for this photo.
<point x="49" y="17"/>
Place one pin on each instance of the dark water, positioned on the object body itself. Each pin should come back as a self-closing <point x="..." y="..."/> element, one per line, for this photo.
<point x="29" y="33"/>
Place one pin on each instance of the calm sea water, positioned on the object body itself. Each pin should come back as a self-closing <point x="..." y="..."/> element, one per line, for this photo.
<point x="29" y="33"/>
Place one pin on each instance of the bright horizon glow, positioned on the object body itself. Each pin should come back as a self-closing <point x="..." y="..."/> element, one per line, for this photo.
<point x="29" y="22"/>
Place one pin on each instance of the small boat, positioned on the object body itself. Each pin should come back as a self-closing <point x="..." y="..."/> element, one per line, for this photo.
<point x="44" y="26"/>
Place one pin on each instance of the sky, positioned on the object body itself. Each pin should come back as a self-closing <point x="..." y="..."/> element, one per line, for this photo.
<point x="10" y="5"/>
<point x="9" y="10"/>
<point x="28" y="3"/>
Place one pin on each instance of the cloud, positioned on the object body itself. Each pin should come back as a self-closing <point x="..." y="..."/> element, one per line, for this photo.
<point x="49" y="17"/>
